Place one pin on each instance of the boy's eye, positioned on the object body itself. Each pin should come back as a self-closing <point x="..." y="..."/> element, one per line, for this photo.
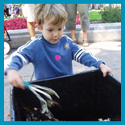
<point x="60" y="29"/>
<point x="50" y="30"/>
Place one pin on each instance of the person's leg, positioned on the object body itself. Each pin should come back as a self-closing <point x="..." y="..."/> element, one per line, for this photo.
<point x="31" y="28"/>
<point x="84" y="20"/>
<point x="73" y="35"/>
<point x="85" y="41"/>
<point x="28" y="12"/>
<point x="84" y="35"/>
<point x="71" y="9"/>
<point x="20" y="12"/>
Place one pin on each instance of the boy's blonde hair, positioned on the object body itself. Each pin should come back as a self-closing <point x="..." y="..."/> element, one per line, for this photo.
<point x="48" y="11"/>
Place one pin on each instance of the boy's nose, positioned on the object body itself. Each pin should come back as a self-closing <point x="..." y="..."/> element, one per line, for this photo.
<point x="55" y="34"/>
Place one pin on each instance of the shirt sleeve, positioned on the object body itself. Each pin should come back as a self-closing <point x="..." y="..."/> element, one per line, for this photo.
<point x="82" y="56"/>
<point x="21" y="57"/>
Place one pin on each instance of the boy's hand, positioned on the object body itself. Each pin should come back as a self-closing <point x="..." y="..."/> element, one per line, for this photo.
<point x="15" y="79"/>
<point x="105" y="69"/>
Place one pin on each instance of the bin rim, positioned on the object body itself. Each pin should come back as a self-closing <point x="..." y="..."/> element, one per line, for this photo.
<point x="84" y="72"/>
<point x="64" y="76"/>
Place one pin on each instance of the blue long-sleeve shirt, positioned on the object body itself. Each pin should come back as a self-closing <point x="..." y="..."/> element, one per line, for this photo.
<point x="51" y="60"/>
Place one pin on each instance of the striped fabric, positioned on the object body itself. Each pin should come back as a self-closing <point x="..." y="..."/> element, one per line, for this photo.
<point x="80" y="53"/>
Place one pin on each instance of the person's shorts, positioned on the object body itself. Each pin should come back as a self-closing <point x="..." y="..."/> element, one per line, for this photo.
<point x="28" y="12"/>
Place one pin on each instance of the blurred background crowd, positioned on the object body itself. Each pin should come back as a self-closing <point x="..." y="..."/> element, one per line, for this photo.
<point x="12" y="10"/>
<point x="15" y="10"/>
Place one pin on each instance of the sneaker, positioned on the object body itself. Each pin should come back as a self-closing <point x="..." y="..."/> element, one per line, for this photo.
<point x="85" y="43"/>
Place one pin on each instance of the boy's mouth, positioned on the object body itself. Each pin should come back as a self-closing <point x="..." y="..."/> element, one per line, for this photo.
<point x="55" y="39"/>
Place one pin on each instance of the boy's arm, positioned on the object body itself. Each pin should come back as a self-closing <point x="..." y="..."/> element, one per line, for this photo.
<point x="105" y="69"/>
<point x="15" y="79"/>
<point x="16" y="62"/>
<point x="88" y="59"/>
<point x="18" y="59"/>
<point x="82" y="56"/>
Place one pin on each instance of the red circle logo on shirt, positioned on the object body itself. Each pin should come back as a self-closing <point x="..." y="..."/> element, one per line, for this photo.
<point x="57" y="57"/>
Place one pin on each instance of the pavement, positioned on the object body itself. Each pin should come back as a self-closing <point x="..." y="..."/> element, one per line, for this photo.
<point x="108" y="51"/>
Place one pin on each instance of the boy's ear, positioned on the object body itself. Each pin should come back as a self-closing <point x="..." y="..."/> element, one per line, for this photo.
<point x="38" y="27"/>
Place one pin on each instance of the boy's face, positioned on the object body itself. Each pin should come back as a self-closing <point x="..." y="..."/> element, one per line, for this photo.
<point x="52" y="33"/>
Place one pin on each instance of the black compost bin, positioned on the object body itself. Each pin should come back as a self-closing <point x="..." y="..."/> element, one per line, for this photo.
<point x="86" y="96"/>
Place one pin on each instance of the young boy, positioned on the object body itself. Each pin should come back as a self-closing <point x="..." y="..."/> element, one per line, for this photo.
<point x="52" y="53"/>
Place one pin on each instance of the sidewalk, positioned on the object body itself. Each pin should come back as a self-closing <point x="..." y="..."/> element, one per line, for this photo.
<point x="109" y="52"/>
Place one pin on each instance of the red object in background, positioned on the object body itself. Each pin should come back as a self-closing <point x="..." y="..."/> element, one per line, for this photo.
<point x="78" y="20"/>
<point x="21" y="23"/>
<point x="17" y="23"/>
<point x="98" y="8"/>
<point x="93" y="6"/>
<point x="89" y="20"/>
